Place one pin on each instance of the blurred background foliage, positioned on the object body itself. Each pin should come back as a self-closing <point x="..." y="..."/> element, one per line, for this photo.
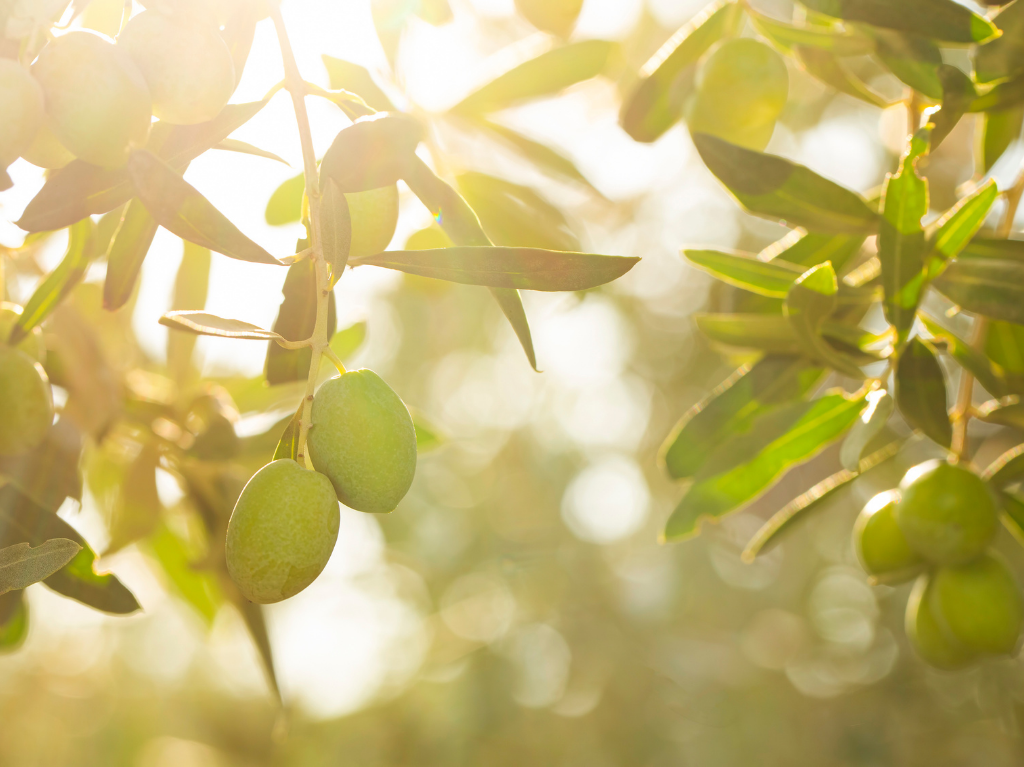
<point x="517" y="607"/>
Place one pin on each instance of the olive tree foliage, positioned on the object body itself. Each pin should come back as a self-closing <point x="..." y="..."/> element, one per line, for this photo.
<point x="114" y="178"/>
<point x="877" y="319"/>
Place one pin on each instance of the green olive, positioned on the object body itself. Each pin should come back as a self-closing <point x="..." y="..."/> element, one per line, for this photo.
<point x="187" y="66"/>
<point x="26" y="402"/>
<point x="374" y="217"/>
<point x="363" y="439"/>
<point x="926" y="634"/>
<point x="21" y="102"/>
<point x="555" y="16"/>
<point x="979" y="604"/>
<point x="32" y="344"/>
<point x="282" y="531"/>
<point x="46" y="150"/>
<point x="742" y="87"/>
<point x="947" y="513"/>
<point x="97" y="101"/>
<point x="881" y="547"/>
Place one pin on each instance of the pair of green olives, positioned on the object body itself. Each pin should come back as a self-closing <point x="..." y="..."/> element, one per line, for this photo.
<point x="967" y="603"/>
<point x="282" y="531"/>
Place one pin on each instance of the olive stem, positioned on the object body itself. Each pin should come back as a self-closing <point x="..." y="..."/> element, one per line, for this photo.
<point x="318" y="342"/>
<point x="329" y="353"/>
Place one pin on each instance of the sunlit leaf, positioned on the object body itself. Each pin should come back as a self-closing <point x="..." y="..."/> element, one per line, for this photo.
<point x="921" y="392"/>
<point x="204" y="324"/>
<point x="22" y="565"/>
<point x="775" y="334"/>
<point x="948" y="236"/>
<point x="285" y="204"/>
<point x="996" y="380"/>
<point x="809" y="303"/>
<point x="335" y="229"/>
<point x="810" y="248"/>
<point x="136" y="512"/>
<point x="1008" y="411"/>
<point x="347" y="341"/>
<point x="989" y="286"/>
<point x="200" y="589"/>
<point x="766" y="278"/>
<point x="541" y="155"/>
<point x="831" y="70"/>
<point x="428" y="436"/>
<point x="191" y="286"/>
<point x="128" y="250"/>
<point x="358" y="80"/>
<point x="1002" y="58"/>
<point x="999" y="129"/>
<point x="1007" y="469"/>
<point x="288" y="445"/>
<point x="957" y="95"/>
<point x="1004" y="345"/>
<point x="938" y="19"/>
<point x="13" y="620"/>
<point x="296" y="320"/>
<point x="789" y="37"/>
<point x="48" y="474"/>
<point x="243" y="147"/>
<point x="913" y="59"/>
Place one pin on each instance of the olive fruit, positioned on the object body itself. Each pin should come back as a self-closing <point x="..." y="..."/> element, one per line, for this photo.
<point x="979" y="605"/>
<point x="363" y="439"/>
<point x="26" y="402"/>
<point x="282" y="531"/>
<point x="46" y="150"/>
<point x="928" y="637"/>
<point x="556" y="16"/>
<point x="188" y="67"/>
<point x="881" y="547"/>
<point x="947" y="512"/>
<point x="32" y="344"/>
<point x="742" y="87"/>
<point x="21" y="101"/>
<point x="374" y="217"/>
<point x="97" y="101"/>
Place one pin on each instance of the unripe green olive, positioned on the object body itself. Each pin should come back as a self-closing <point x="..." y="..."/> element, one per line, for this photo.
<point x="979" y="605"/>
<point x="26" y="402"/>
<point x="363" y="439"/>
<point x="556" y="16"/>
<point x="742" y="87"/>
<point x="374" y="217"/>
<point x="46" y="150"/>
<point x="282" y="531"/>
<point x="927" y="635"/>
<point x="97" y="101"/>
<point x="21" y="102"/>
<point x="881" y="547"/>
<point x="947" y="513"/>
<point x="32" y="344"/>
<point x="187" y="66"/>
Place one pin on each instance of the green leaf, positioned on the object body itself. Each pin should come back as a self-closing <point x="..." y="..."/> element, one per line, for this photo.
<point x="656" y="102"/>
<point x="775" y="334"/>
<point x="296" y="320"/>
<point x="498" y="267"/>
<point x="914" y="60"/>
<point x="789" y="37"/>
<point x="80" y="189"/>
<point x="256" y="623"/>
<point x="541" y="155"/>
<point x="128" y="250"/>
<point x="999" y="129"/>
<point x="866" y="428"/>
<point x="288" y="445"/>
<point x="461" y="224"/>
<point x="22" y="521"/>
<point x="788" y="436"/>
<point x="242" y="147"/>
<point x="60" y="282"/>
<point x="901" y="239"/>
<point x="191" y="286"/>
<point x="1004" y="345"/>
<point x="957" y="96"/>
<point x="1007" y="469"/>
<point x="1003" y="96"/>
<point x="831" y="70"/>
<point x="809" y="303"/>
<point x="346" y="342"/>
<point x="285" y="204"/>
<point x="48" y="474"/>
<point x="200" y="589"/>
<point x="921" y="392"/>
<point x="372" y="152"/>
<point x="205" y="324"/>
<point x="1012" y="516"/>
<point x="776" y="188"/>
<point x="991" y="287"/>
<point x="939" y="19"/>
<point x="13" y="620"/>
<point x="546" y="75"/>
<point x="989" y="374"/>
<point x="136" y="512"/>
<point x="1002" y="58"/>
<point x="178" y="207"/>
<point x="810" y="248"/>
<point x="515" y="215"/>
<point x="948" y="236"/>
<point x="335" y="229"/>
<point x="734" y="407"/>
<point x="1008" y="411"/>
<point x="358" y="80"/>
<point x="783" y="521"/>
<point x="428" y="436"/>
<point x="22" y="565"/>
<point x="766" y="278"/>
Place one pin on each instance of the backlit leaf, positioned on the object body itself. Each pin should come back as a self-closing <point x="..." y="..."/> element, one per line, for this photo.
<point x="296" y="320"/>
<point x="939" y="19"/>
<point x="243" y="147"/>
<point x="999" y="128"/>
<point x="1002" y="58"/>
<point x="13" y="620"/>
<point x="914" y="60"/>
<point x="204" y="324"/>
<point x="789" y="37"/>
<point x="1007" y="469"/>
<point x="128" y="250"/>
<point x="541" y="155"/>
<point x="831" y="70"/>
<point x="335" y="229"/>
<point x="810" y="302"/>
<point x="766" y="278"/>
<point x="948" y="236"/>
<point x="347" y="341"/>
<point x="48" y="474"/>
<point x="921" y="392"/>
<point x="22" y="565"/>
<point x="957" y="95"/>
<point x="358" y="80"/>
<point x="285" y="204"/>
<point x="288" y="445"/>
<point x="996" y="380"/>
<point x="810" y="248"/>
<point x="372" y="152"/>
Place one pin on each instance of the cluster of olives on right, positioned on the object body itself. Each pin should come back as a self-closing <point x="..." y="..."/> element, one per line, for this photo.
<point x="938" y="525"/>
<point x="284" y="526"/>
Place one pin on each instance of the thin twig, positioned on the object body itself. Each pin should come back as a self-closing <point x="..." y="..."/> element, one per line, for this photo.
<point x="318" y="342"/>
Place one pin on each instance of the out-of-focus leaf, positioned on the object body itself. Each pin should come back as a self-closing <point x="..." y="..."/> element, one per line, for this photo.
<point x="1012" y="516"/>
<point x="498" y="267"/>
<point x="80" y="189"/>
<point x="539" y="154"/>
<point x="60" y="282"/>
<point x="989" y="374"/>
<point x="992" y="287"/>
<point x="178" y="207"/>
<point x="48" y="473"/>
<point x="999" y="128"/>
<point x="136" y="513"/>
<point x="869" y="425"/>
<point x="774" y="334"/>
<point x="1007" y="469"/>
<point x="13" y="620"/>
<point x="22" y="521"/>
<point x="428" y="436"/>
<point x="296" y="320"/>
<point x="461" y="224"/>
<point x="346" y="342"/>
<point x="288" y="445"/>
<point x="948" y="236"/>
<point x="789" y="37"/>
<point x="656" y="102"/>
<point x="766" y="278"/>
<point x="734" y="407"/>
<point x="545" y="75"/>
<point x="830" y="69"/>
<point x="335" y="229"/>
<point x="22" y="565"/>
<point x="1004" y="345"/>
<point x="243" y="147"/>
<point x="358" y="80"/>
<point x="515" y="215"/>
<point x="810" y="248"/>
<point x="255" y="622"/>
<point x="778" y="189"/>
<point x="555" y="16"/>
<point x="200" y="589"/>
<point x="191" y="285"/>
<point x="943" y="20"/>
<point x="1008" y="411"/>
<point x="128" y="250"/>
<point x="914" y="60"/>
<point x="921" y="392"/>
<point x="901" y="239"/>
<point x="741" y="469"/>
<point x="771" y="534"/>
<point x="1002" y="58"/>
<point x="957" y="95"/>
<point x="285" y="204"/>
<point x="372" y="152"/>
<point x="205" y="324"/>
<point x="809" y="303"/>
<point x="1003" y="96"/>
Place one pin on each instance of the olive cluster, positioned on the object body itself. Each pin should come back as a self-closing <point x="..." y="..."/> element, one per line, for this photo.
<point x="940" y="522"/>
<point x="91" y="98"/>
<point x="282" y="531"/>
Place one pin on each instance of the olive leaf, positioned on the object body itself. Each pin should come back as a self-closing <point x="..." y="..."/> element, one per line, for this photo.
<point x="1008" y="411"/>
<point x="285" y="204"/>
<point x="809" y="248"/>
<point x="191" y="286"/>
<point x="1002" y="58"/>
<point x="952" y="232"/>
<point x="288" y="445"/>
<point x="48" y="474"/>
<point x="196" y="586"/>
<point x="541" y="155"/>
<point x="347" y="341"/>
<point x="809" y="303"/>
<point x="335" y="229"/>
<point x="771" y="278"/>
<point x="958" y="94"/>
<point x="913" y="59"/>
<point x="775" y="334"/>
<point x="921" y="392"/>
<point x="205" y="324"/>
<point x="372" y="152"/>
<point x="13" y="620"/>
<point x="357" y="79"/>
<point x="999" y="128"/>
<point x="128" y="250"/>
<point x="296" y="320"/>
<point x="1007" y="469"/>
<point x="831" y="70"/>
<point x="136" y="512"/>
<point x="788" y="37"/>
<point x="996" y="380"/>
<point x="242" y="147"/>
<point x="22" y="565"/>
<point x="938" y="19"/>
<point x="987" y="279"/>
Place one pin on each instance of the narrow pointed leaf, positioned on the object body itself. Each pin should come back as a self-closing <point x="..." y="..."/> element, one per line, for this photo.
<point x="809" y="248"/>
<point x="999" y="128"/>
<point x="914" y="60"/>
<point x="204" y="324"/>
<point x="957" y="95"/>
<point x="948" y="236"/>
<point x="939" y="19"/>
<point x="21" y="565"/>
<point x="288" y="445"/>
<point x="991" y="287"/>
<point x="346" y="342"/>
<point x="921" y="392"/>
<point x="766" y="278"/>
<point x="1007" y="469"/>
<point x="789" y="37"/>
<point x="296" y="320"/>
<point x="996" y="380"/>
<point x="335" y="229"/>
<point x="1008" y="411"/>
<point x="242" y="147"/>
<point x="285" y="204"/>
<point x="48" y="474"/>
<point x="128" y="250"/>
<point x="809" y="303"/>
<point x="13" y="620"/>
<point x="1002" y="58"/>
<point x="830" y="69"/>
<point x="775" y="334"/>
